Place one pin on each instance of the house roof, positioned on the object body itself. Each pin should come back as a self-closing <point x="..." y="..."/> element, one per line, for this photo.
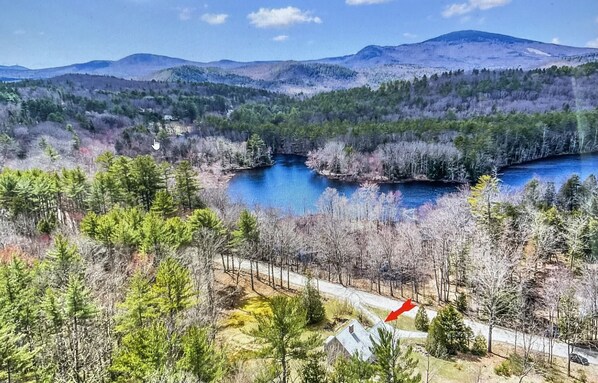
<point x="355" y="342"/>
<point x="358" y="341"/>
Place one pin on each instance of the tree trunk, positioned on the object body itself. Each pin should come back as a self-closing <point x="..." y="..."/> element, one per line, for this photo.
<point x="569" y="359"/>
<point x="284" y="370"/>
<point x="490" y="326"/>
<point x="281" y="260"/>
<point x="251" y="274"/>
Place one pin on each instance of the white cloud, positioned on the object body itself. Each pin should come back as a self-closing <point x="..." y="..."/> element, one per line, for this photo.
<point x="365" y="2"/>
<point x="18" y="32"/>
<point x="280" y="38"/>
<point x="409" y="35"/>
<point x="214" y="18"/>
<point x="592" y="43"/>
<point x="185" y="13"/>
<point x="488" y="4"/>
<point x="281" y="17"/>
<point x="555" y="40"/>
<point x="458" y="9"/>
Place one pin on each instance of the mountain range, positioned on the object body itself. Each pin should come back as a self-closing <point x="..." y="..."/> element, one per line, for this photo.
<point x="462" y="50"/>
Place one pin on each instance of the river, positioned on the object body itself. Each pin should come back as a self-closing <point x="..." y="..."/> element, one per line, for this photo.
<point x="290" y="186"/>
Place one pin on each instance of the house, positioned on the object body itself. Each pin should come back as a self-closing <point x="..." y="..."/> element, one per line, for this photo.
<point x="353" y="339"/>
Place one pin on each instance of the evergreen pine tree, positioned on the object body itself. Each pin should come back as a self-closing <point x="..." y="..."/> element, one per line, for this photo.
<point x="199" y="356"/>
<point x="351" y="370"/>
<point x="79" y="311"/>
<point x="148" y="180"/>
<point x="570" y="194"/>
<point x="312" y="302"/>
<point x="164" y="204"/>
<point x="141" y="353"/>
<point x="461" y="303"/>
<point x="393" y="364"/>
<point x="448" y="334"/>
<point x="173" y="289"/>
<point x="186" y="187"/>
<point x="63" y="261"/>
<point x="313" y="370"/>
<point x="421" y="319"/>
<point x="176" y="233"/>
<point x="16" y="358"/>
<point x="153" y="234"/>
<point x="282" y="334"/>
<point x="205" y="219"/>
<point x="139" y="306"/>
<point x="247" y="237"/>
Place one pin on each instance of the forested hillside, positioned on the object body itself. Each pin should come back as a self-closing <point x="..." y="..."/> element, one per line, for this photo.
<point x="454" y="126"/>
<point x="113" y="278"/>
<point x="119" y="262"/>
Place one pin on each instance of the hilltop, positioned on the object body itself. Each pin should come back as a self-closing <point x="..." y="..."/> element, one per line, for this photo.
<point x="372" y="65"/>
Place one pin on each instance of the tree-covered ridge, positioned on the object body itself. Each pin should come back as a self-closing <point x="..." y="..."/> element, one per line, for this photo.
<point x="125" y="292"/>
<point x="456" y="95"/>
<point x="483" y="143"/>
<point x="491" y="118"/>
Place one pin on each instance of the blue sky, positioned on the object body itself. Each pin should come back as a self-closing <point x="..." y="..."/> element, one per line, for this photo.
<point x="42" y="33"/>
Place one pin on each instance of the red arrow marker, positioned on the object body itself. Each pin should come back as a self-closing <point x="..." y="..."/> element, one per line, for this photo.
<point x="404" y="308"/>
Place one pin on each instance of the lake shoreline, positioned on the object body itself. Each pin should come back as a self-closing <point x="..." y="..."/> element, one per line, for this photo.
<point x="291" y="185"/>
<point x="214" y="176"/>
<point x="384" y="180"/>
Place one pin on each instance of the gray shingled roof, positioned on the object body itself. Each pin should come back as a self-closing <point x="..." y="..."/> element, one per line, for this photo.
<point x="358" y="341"/>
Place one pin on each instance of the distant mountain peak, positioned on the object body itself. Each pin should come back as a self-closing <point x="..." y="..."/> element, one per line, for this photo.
<point x="14" y="67"/>
<point x="369" y="52"/>
<point x="473" y="36"/>
<point x="147" y="58"/>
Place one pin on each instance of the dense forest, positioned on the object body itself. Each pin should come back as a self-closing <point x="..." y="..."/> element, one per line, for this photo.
<point x="368" y="218"/>
<point x="453" y="126"/>
<point x="113" y="277"/>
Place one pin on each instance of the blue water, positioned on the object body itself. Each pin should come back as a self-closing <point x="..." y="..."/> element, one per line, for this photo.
<point x="290" y="186"/>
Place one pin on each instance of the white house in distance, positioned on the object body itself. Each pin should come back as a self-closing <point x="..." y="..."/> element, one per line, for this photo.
<point x="353" y="339"/>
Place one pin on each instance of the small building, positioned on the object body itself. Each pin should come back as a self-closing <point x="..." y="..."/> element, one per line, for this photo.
<point x="353" y="339"/>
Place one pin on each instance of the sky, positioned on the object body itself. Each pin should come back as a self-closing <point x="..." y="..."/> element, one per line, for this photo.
<point x="47" y="33"/>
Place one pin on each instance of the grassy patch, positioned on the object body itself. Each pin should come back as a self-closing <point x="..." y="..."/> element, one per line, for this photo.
<point x="245" y="314"/>
<point x="402" y="323"/>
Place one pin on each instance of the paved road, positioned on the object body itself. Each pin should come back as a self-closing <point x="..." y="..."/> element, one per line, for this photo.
<point x="362" y="299"/>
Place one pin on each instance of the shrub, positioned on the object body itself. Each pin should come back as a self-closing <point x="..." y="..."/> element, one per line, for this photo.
<point x="504" y="368"/>
<point x="461" y="303"/>
<point x="422" y="323"/>
<point x="341" y="309"/>
<point x="448" y="334"/>
<point x="514" y="365"/>
<point x="480" y="347"/>
<point x="313" y="370"/>
<point x="46" y="225"/>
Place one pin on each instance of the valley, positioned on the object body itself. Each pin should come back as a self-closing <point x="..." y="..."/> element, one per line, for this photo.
<point x="169" y="220"/>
